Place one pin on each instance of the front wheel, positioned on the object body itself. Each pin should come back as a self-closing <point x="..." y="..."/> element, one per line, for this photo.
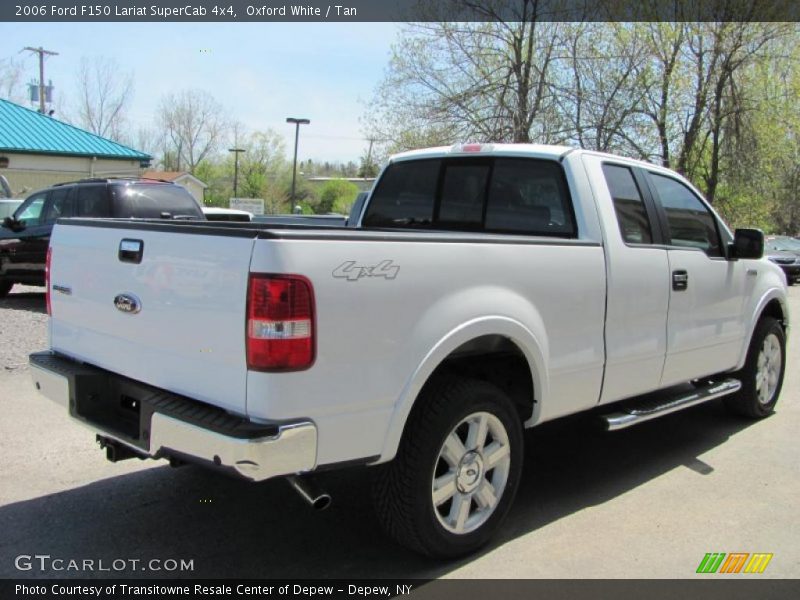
<point x="762" y="375"/>
<point x="457" y="469"/>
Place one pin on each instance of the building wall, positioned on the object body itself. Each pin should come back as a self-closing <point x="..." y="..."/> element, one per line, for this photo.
<point x="29" y="172"/>
<point x="195" y="189"/>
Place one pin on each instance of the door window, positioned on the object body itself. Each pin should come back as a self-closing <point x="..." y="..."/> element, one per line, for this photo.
<point x="691" y="224"/>
<point x="30" y="212"/>
<point x="59" y="205"/>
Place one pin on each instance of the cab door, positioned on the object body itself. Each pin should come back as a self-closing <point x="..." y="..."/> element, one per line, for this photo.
<point x="39" y="213"/>
<point x="637" y="272"/>
<point x="708" y="293"/>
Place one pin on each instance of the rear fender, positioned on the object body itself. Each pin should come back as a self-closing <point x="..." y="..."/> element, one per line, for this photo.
<point x="528" y="343"/>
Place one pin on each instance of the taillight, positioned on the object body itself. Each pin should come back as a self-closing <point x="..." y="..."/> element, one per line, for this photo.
<point x="280" y="323"/>
<point x="47" y="279"/>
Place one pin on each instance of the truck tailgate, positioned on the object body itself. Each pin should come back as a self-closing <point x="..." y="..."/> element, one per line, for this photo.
<point x="175" y="320"/>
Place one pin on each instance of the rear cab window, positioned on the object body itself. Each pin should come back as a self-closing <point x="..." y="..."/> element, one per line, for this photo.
<point x="490" y="194"/>
<point x="154" y="201"/>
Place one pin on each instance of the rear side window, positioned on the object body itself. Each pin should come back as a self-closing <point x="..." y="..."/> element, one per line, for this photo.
<point x="58" y="205"/>
<point x="502" y="195"/>
<point x="92" y="201"/>
<point x="691" y="224"/>
<point x="154" y="201"/>
<point x="628" y="205"/>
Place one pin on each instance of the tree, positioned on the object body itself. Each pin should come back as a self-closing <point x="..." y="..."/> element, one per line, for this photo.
<point x="481" y="81"/>
<point x="337" y="195"/>
<point x="104" y="93"/>
<point x="11" y="86"/>
<point x="599" y="94"/>
<point x="261" y="165"/>
<point x="194" y="124"/>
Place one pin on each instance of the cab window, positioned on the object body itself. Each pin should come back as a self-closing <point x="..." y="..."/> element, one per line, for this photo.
<point x="634" y="226"/>
<point x="691" y="223"/>
<point x="490" y="194"/>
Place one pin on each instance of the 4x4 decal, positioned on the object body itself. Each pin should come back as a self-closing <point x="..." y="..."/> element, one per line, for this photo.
<point x="352" y="272"/>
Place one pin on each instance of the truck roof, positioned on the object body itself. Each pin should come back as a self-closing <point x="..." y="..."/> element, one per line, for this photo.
<point x="545" y="151"/>
<point x="475" y="149"/>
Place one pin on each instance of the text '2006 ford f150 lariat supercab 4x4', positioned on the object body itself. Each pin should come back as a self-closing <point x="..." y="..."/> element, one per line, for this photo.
<point x="486" y="289"/>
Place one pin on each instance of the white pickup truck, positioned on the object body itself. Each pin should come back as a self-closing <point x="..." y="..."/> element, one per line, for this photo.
<point x="486" y="289"/>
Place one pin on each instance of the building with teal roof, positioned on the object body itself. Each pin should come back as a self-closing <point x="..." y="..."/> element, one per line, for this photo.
<point x="38" y="150"/>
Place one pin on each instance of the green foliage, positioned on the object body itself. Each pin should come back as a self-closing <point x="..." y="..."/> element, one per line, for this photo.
<point x="338" y="196"/>
<point x="716" y="101"/>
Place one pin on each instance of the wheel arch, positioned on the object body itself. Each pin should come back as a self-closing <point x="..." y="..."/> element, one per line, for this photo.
<point x="772" y="304"/>
<point x="467" y="345"/>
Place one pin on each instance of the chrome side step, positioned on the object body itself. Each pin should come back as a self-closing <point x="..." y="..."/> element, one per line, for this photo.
<point x="646" y="411"/>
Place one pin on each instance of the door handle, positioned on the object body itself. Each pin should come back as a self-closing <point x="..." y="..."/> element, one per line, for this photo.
<point x="680" y="280"/>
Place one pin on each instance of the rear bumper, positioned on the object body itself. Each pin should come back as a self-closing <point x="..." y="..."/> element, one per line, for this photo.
<point x="160" y="424"/>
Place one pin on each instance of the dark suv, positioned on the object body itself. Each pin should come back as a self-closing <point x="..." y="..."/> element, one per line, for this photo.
<point x="24" y="237"/>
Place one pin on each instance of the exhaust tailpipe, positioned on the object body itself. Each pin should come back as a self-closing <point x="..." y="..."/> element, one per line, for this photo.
<point x="310" y="492"/>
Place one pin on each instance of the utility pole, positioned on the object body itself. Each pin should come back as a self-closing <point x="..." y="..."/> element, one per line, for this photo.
<point x="297" y="123"/>
<point x="236" y="152"/>
<point x="369" y="157"/>
<point x="41" y="52"/>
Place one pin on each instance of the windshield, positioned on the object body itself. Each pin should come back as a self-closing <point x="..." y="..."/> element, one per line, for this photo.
<point x="154" y="201"/>
<point x="789" y="244"/>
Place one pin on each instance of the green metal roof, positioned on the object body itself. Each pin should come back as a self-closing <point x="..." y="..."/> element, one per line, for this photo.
<point x="25" y="130"/>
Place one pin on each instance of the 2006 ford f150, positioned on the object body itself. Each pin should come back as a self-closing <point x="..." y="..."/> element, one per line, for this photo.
<point x="486" y="289"/>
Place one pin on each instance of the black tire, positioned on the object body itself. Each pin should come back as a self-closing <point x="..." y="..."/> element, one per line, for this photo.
<point x="754" y="400"/>
<point x="404" y="495"/>
<point x="5" y="288"/>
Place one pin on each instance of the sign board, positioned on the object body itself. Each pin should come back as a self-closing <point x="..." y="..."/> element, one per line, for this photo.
<point x="252" y="205"/>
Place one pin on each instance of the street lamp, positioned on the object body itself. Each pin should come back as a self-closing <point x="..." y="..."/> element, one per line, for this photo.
<point x="236" y="152"/>
<point x="297" y="123"/>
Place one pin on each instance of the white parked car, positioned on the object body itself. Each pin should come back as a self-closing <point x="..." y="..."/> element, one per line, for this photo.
<point x="214" y="213"/>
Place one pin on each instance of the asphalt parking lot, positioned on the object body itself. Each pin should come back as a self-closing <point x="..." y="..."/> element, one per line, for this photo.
<point x="648" y="502"/>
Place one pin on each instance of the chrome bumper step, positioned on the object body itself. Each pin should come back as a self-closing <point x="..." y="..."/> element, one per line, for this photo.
<point x="658" y="407"/>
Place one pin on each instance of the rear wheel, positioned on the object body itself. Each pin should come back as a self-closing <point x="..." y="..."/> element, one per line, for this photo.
<point x="5" y="288"/>
<point x="456" y="471"/>
<point x="762" y="375"/>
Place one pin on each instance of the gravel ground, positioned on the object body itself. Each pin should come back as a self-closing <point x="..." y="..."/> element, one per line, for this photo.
<point x="23" y="327"/>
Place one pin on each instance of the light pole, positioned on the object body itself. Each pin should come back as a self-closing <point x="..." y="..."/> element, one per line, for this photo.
<point x="297" y="123"/>
<point x="236" y="152"/>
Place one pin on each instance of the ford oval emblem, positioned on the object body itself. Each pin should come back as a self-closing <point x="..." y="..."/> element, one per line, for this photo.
<point x="128" y="303"/>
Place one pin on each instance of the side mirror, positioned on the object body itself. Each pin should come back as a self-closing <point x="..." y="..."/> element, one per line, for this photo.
<point x="11" y="223"/>
<point x="747" y="243"/>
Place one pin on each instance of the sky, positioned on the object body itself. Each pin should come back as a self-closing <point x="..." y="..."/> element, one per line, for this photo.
<point x="260" y="72"/>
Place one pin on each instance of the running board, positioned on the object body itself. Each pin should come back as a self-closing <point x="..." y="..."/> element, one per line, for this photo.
<point x="645" y="411"/>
